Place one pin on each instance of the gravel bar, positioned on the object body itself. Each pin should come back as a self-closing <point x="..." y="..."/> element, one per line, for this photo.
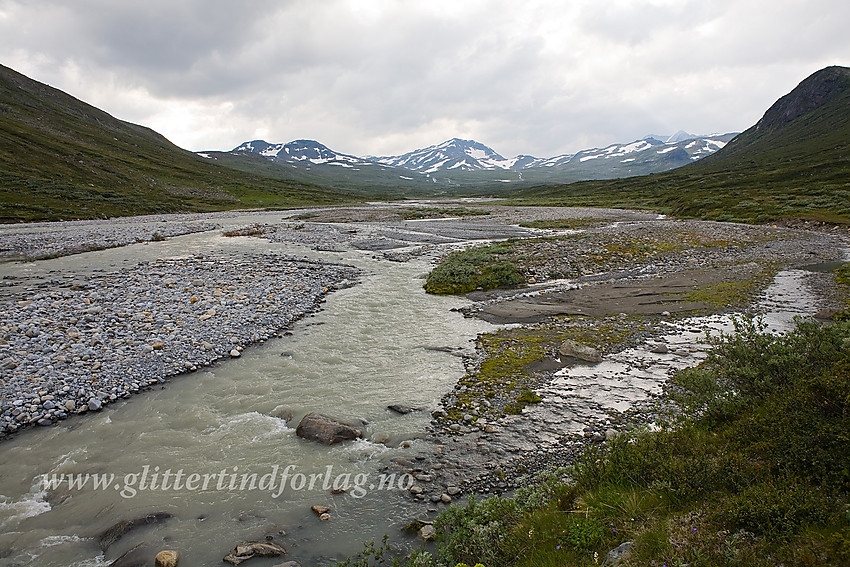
<point x="72" y="345"/>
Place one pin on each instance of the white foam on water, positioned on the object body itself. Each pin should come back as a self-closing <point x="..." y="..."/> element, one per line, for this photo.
<point x="30" y="504"/>
<point x="53" y="540"/>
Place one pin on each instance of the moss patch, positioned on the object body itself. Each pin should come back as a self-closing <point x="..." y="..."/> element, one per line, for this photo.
<point x="413" y="213"/>
<point x="503" y="381"/>
<point x="736" y="293"/>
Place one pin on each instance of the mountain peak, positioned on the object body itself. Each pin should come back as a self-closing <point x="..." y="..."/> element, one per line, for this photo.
<point x="680" y="136"/>
<point x="453" y="154"/>
<point x="811" y="93"/>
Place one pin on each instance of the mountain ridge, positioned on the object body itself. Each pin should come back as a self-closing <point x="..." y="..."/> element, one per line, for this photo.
<point x="462" y="155"/>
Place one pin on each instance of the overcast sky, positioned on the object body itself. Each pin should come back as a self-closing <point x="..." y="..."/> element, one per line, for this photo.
<point x="382" y="77"/>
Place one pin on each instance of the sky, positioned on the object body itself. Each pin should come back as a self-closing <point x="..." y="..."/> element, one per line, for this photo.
<point x="383" y="77"/>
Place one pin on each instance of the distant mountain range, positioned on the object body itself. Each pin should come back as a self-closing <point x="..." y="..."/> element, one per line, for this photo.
<point x="460" y="162"/>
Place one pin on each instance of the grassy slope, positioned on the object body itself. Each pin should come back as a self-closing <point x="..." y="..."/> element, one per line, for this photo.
<point x="62" y="158"/>
<point x="796" y="169"/>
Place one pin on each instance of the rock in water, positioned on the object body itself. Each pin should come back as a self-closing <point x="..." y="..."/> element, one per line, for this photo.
<point x="167" y="558"/>
<point x="580" y="351"/>
<point x="115" y="533"/>
<point x="324" y="429"/>
<point x="402" y="409"/>
<point x="660" y="348"/>
<point x="250" y="549"/>
<point x="428" y="532"/>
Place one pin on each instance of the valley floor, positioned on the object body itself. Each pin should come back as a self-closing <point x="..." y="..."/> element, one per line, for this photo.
<point x="640" y="290"/>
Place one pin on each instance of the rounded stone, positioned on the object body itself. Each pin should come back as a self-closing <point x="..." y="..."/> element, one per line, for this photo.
<point x="167" y="558"/>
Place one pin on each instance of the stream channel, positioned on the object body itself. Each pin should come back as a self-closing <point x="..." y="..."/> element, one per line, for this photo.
<point x="381" y="342"/>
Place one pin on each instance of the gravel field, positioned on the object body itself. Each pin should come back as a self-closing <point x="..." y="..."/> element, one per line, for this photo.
<point x="75" y="343"/>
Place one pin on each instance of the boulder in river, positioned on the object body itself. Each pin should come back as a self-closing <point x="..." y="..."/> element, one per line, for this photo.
<point x="402" y="409"/>
<point x="118" y="530"/>
<point x="251" y="549"/>
<point x="324" y="429"/>
<point x="580" y="351"/>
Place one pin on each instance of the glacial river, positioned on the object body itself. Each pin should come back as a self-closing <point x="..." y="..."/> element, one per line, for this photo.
<point x="374" y="344"/>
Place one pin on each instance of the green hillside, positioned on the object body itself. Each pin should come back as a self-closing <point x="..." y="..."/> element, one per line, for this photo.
<point x="61" y="158"/>
<point x="794" y="163"/>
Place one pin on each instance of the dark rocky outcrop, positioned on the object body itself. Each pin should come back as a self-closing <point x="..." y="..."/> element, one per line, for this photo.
<point x="402" y="409"/>
<point x="118" y="530"/>
<point x="326" y="430"/>
<point x="810" y="94"/>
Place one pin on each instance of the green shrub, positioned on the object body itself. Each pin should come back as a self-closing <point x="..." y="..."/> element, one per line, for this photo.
<point x="583" y="534"/>
<point x="468" y="270"/>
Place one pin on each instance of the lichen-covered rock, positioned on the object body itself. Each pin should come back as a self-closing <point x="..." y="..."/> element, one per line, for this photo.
<point x="167" y="558"/>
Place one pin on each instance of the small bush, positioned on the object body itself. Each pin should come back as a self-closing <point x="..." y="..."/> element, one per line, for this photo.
<point x="468" y="270"/>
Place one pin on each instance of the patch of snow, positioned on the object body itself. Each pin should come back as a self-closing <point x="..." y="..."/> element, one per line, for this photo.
<point x="585" y="158"/>
<point x="628" y="160"/>
<point x="635" y="147"/>
<point x="436" y="166"/>
<point x="665" y="150"/>
<point x="204" y="155"/>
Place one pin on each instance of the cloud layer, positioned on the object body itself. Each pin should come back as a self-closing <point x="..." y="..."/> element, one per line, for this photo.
<point x="387" y="76"/>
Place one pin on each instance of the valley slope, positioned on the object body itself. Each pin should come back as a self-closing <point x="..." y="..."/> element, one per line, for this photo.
<point x="61" y="158"/>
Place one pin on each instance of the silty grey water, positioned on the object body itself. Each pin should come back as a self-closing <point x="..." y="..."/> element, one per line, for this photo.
<point x="375" y="344"/>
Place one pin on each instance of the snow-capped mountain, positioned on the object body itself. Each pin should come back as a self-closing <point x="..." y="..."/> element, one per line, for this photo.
<point x="454" y="154"/>
<point x="301" y="151"/>
<point x="693" y="148"/>
<point x="458" y="161"/>
<point x="469" y="155"/>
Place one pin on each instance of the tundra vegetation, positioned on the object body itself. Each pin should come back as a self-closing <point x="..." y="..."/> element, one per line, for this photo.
<point x="752" y="468"/>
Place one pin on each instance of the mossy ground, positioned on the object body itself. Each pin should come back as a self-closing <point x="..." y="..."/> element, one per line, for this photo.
<point x="503" y="381"/>
<point x="734" y="293"/>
